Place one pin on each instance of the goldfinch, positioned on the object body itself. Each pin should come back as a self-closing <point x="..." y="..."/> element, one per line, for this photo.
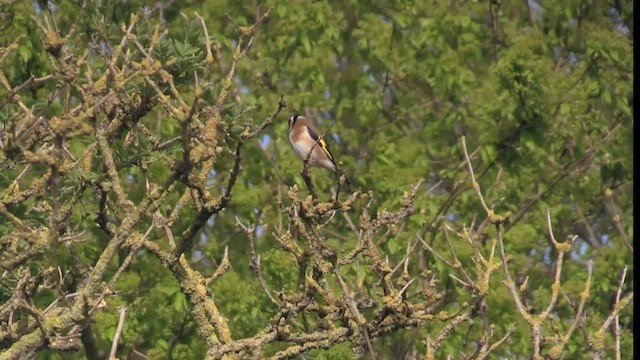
<point x="303" y="137"/>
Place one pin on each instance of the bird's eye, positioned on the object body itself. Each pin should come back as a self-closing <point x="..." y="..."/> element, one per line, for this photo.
<point x="293" y="119"/>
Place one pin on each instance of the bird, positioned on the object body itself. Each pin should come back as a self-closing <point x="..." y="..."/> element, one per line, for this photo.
<point x="304" y="137"/>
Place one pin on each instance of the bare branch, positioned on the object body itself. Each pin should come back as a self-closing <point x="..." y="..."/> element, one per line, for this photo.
<point x="116" y="336"/>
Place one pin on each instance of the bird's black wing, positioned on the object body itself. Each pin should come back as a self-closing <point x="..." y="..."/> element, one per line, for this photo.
<point x="323" y="144"/>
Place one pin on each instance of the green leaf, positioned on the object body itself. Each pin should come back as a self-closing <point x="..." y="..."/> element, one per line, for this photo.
<point x="24" y="52"/>
<point x="304" y="39"/>
<point x="281" y="10"/>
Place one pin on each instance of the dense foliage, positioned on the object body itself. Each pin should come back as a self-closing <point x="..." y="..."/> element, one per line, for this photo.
<point x="152" y="207"/>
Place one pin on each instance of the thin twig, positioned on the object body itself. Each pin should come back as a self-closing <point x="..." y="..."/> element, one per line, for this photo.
<point x="116" y="336"/>
<point x="255" y="260"/>
<point x="616" y="324"/>
<point x="307" y="163"/>
<point x="356" y="313"/>
<point x="474" y="182"/>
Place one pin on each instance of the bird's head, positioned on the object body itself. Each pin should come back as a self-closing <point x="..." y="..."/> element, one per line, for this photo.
<point x="296" y="119"/>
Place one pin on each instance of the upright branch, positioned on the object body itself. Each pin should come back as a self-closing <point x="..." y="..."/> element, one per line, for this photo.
<point x="596" y="342"/>
<point x="535" y="322"/>
<point x="116" y="336"/>
<point x="493" y="217"/>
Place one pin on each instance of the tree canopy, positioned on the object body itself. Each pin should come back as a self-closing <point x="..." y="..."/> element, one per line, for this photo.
<point x="151" y="205"/>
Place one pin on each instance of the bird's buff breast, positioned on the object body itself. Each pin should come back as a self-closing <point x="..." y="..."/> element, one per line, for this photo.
<point x="302" y="149"/>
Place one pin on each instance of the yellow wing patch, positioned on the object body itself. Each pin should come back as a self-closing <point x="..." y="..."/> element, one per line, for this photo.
<point x="323" y="145"/>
